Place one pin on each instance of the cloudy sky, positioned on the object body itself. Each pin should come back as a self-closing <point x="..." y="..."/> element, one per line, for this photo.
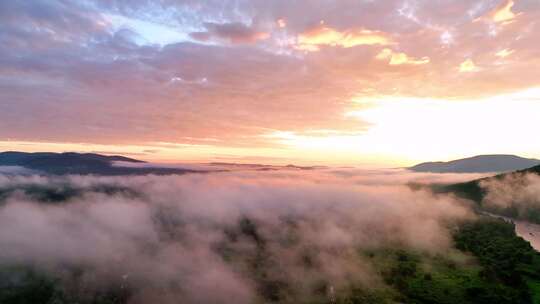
<point x="387" y="82"/>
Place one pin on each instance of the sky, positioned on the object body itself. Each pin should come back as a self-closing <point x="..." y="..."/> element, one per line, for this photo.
<point x="353" y="82"/>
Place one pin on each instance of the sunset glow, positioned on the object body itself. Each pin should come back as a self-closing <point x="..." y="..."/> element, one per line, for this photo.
<point x="371" y="83"/>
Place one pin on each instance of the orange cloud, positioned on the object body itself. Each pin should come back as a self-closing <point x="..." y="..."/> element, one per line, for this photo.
<point x="468" y="66"/>
<point x="323" y="35"/>
<point x="398" y="58"/>
<point x="504" y="13"/>
<point x="504" y="53"/>
<point x="500" y="15"/>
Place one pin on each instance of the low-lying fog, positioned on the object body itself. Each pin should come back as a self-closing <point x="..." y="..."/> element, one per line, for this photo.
<point x="204" y="237"/>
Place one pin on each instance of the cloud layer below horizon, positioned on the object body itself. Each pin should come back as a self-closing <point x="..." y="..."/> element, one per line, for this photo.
<point x="165" y="238"/>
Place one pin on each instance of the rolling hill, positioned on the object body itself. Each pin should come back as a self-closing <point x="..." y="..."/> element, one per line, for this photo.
<point x="473" y="191"/>
<point x="478" y="164"/>
<point x="79" y="163"/>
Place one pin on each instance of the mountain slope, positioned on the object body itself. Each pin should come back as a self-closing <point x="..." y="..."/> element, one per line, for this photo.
<point x="473" y="191"/>
<point x="78" y="163"/>
<point x="478" y="164"/>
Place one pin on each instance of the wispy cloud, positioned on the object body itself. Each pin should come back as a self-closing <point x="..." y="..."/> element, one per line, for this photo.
<point x="230" y="32"/>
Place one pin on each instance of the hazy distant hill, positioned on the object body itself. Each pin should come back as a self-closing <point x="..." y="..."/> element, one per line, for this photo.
<point x="472" y="190"/>
<point x="79" y="163"/>
<point x="478" y="164"/>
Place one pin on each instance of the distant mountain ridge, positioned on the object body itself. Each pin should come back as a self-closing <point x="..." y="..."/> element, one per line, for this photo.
<point x="478" y="164"/>
<point x="13" y="158"/>
<point x="79" y="163"/>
